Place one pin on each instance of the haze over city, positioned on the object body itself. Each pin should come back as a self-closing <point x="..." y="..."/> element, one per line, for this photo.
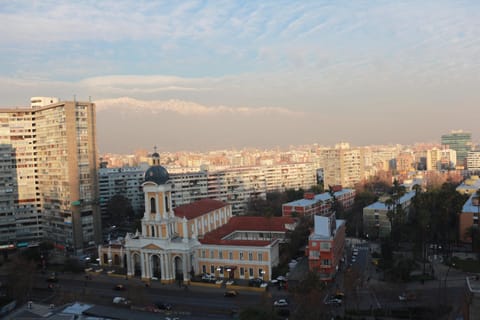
<point x="200" y="75"/>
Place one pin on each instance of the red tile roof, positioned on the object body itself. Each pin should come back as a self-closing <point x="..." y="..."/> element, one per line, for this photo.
<point x="198" y="208"/>
<point x="246" y="224"/>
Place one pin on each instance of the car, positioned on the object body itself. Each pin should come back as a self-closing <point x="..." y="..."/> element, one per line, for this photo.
<point x="119" y="287"/>
<point x="339" y="295"/>
<point x="257" y="282"/>
<point x="163" y="306"/>
<point x="230" y="293"/>
<point x="208" y="277"/>
<point x="52" y="277"/>
<point x="121" y="300"/>
<point x="333" y="301"/>
<point x="280" y="303"/>
<point x="407" y="296"/>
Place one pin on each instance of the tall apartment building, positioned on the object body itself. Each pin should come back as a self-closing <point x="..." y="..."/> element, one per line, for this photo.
<point x="124" y="181"/>
<point x="441" y="159"/>
<point x="461" y="142"/>
<point x="49" y="174"/>
<point x="473" y="161"/>
<point x="342" y="166"/>
<point x="235" y="186"/>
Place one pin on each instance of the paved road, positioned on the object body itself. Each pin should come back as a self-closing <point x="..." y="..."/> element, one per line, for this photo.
<point x="200" y="301"/>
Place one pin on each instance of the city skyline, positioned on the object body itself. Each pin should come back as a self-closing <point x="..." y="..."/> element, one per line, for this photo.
<point x="213" y="75"/>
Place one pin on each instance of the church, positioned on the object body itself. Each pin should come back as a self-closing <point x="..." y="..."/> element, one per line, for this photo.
<point x="197" y="238"/>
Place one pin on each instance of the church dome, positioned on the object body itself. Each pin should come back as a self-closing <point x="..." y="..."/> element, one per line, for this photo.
<point x="157" y="174"/>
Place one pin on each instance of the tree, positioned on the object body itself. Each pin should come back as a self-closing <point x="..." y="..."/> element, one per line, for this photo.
<point x="20" y="275"/>
<point x="119" y="210"/>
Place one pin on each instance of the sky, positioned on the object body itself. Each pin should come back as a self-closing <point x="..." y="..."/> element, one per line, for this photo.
<point x="214" y="74"/>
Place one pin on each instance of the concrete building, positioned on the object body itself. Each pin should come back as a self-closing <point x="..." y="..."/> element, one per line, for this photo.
<point x="200" y="237"/>
<point x="473" y="161"/>
<point x="375" y="216"/>
<point x="318" y="204"/>
<point x="50" y="188"/>
<point x="124" y="181"/>
<point x="469" y="185"/>
<point x="342" y="166"/>
<point x="237" y="186"/>
<point x="441" y="159"/>
<point x="469" y="217"/>
<point x="461" y="142"/>
<point x="326" y="246"/>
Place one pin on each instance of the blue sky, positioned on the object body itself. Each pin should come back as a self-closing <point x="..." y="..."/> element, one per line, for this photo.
<point x="371" y="71"/>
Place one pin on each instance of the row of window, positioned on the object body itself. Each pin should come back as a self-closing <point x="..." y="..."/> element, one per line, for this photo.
<point x="242" y="271"/>
<point x="241" y="255"/>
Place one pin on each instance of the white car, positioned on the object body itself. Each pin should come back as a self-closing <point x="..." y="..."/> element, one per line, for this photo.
<point x="121" y="300"/>
<point x="280" y="303"/>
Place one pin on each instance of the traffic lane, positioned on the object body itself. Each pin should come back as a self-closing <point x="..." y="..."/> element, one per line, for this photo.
<point x="192" y="298"/>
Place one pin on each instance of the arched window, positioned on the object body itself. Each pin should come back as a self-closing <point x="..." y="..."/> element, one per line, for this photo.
<point x="152" y="205"/>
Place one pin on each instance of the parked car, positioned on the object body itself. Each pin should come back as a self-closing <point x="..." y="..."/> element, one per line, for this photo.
<point x="230" y="293"/>
<point x="280" y="303"/>
<point x="163" y="306"/>
<point x="208" y="277"/>
<point x="119" y="287"/>
<point x="257" y="282"/>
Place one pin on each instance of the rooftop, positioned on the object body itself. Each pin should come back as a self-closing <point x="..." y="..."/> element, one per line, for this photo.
<point x="273" y="224"/>
<point x="198" y="208"/>
<point x="318" y="197"/>
<point x="382" y="206"/>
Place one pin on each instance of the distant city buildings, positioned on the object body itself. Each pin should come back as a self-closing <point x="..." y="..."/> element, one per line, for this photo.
<point x="48" y="174"/>
<point x="236" y="186"/>
<point x="195" y="238"/>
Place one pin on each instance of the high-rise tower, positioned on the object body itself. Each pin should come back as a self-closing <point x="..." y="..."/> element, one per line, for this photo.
<point x="50" y="174"/>
<point x="461" y="142"/>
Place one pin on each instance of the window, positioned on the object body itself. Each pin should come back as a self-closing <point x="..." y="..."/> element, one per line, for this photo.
<point x="212" y="269"/>
<point x="325" y="245"/>
<point x="260" y="273"/>
<point x="314" y="254"/>
<point x="260" y="256"/>
<point x="211" y="254"/>
<point x="314" y="243"/>
<point x="241" y="255"/>
<point x="152" y="205"/>
<point x="230" y="255"/>
<point x="166" y="203"/>
<point x="250" y="272"/>
<point x="203" y="253"/>
<point x="242" y="272"/>
<point x="326" y="262"/>
<point x="220" y="254"/>
<point x="204" y="269"/>
<point x="250" y="256"/>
